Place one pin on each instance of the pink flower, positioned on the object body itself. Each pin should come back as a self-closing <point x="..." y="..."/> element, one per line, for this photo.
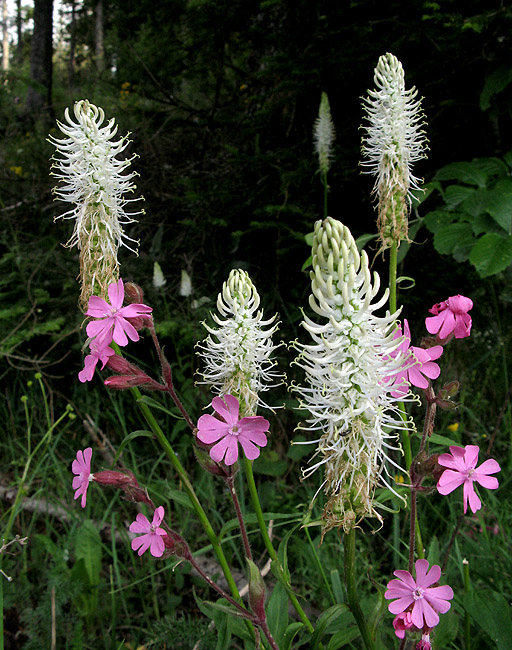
<point x="97" y="354"/>
<point x="418" y="373"/>
<point x="450" y="316"/>
<point x="112" y="318"/>
<point x="401" y="623"/>
<point x="461" y="462"/>
<point x="82" y="467"/>
<point x="152" y="534"/>
<point x="426" y="601"/>
<point x="228" y="432"/>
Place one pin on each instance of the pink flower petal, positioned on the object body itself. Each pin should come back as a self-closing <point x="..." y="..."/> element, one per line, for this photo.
<point x="116" y="294"/>
<point x="416" y="378"/>
<point x="450" y="480"/>
<point x="98" y="307"/>
<point x="438" y="597"/>
<point x="489" y="482"/>
<point x="157" y="546"/>
<point x="251" y="451"/>
<point x="489" y="466"/>
<point x="470" y="495"/>
<point x="227" y="408"/>
<point x="257" y="437"/>
<point x="228" y="447"/>
<point x="141" y="543"/>
<point x="140" y="525"/>
<point x="471" y="456"/>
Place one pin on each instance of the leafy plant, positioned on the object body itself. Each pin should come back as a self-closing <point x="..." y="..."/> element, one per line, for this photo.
<point x="475" y="221"/>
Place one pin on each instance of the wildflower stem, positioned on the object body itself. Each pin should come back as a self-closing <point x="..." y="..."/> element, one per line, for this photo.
<point x="467" y="618"/>
<point x="270" y="548"/>
<point x="319" y="565"/>
<point x="243" y="530"/>
<point x="326" y="188"/>
<point x="155" y="428"/>
<point x="349" y="543"/>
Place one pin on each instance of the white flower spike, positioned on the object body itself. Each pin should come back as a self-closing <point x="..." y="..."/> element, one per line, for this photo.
<point x="238" y="354"/>
<point x="394" y="140"/>
<point x="93" y="178"/>
<point x="324" y="134"/>
<point x="352" y="411"/>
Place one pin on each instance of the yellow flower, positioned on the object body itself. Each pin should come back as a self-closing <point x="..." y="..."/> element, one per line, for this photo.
<point x="17" y="170"/>
<point x="453" y="427"/>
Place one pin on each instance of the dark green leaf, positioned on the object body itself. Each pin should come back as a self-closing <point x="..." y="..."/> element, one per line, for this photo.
<point x="438" y="219"/>
<point x="493" y="614"/>
<point x="499" y="204"/>
<point x="450" y="237"/>
<point x="88" y="549"/>
<point x="491" y="254"/>
<point x="465" y="172"/>
<point x="277" y="612"/>
<point x="324" y="621"/>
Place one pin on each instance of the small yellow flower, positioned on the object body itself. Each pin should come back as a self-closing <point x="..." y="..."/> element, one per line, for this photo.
<point x="17" y="170"/>
<point x="399" y="478"/>
<point x="453" y="427"/>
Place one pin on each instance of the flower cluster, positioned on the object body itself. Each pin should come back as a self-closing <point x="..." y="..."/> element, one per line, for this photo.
<point x="237" y="354"/>
<point x="394" y="140"/>
<point x="94" y="179"/>
<point x="349" y="401"/>
<point x="229" y="431"/>
<point x="450" y="318"/>
<point x="111" y="323"/>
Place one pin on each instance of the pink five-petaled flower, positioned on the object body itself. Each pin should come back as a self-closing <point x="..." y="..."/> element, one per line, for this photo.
<point x="461" y="462"/>
<point x="82" y="467"/>
<point x="152" y="537"/>
<point x="414" y="374"/>
<point x="450" y="316"/>
<point x="228" y="432"/>
<point x="426" y="601"/>
<point x="112" y="318"/>
<point x="96" y="354"/>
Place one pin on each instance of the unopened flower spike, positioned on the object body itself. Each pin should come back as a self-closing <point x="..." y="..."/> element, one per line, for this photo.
<point x="324" y="134"/>
<point x="237" y="355"/>
<point x="394" y="140"/>
<point x="352" y="410"/>
<point x="94" y="179"/>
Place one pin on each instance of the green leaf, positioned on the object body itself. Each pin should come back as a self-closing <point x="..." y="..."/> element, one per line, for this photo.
<point x="453" y="236"/>
<point x="466" y="172"/>
<point x="180" y="497"/>
<point x="290" y="634"/>
<point x="494" y="83"/>
<point x="499" y="204"/>
<point x="443" y="440"/>
<point x="88" y="549"/>
<point x="438" y="219"/>
<point x="152" y="403"/>
<point x="277" y="612"/>
<point x="324" y="621"/>
<point x="343" y="638"/>
<point x="269" y="467"/>
<point x="454" y="195"/>
<point x="364" y="239"/>
<point x="491" y="254"/>
<point x="141" y="433"/>
<point x="493" y="614"/>
<point x="336" y="585"/>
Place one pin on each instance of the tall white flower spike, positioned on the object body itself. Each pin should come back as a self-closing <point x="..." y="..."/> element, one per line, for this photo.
<point x="351" y="407"/>
<point x="237" y="355"/>
<point x="94" y="179"/>
<point x="394" y="140"/>
<point x="324" y="134"/>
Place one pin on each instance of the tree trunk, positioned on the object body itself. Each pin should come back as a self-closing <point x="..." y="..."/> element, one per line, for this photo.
<point x="19" y="33"/>
<point x="100" y="50"/>
<point x="72" y="45"/>
<point x="39" y="95"/>
<point x="5" y="37"/>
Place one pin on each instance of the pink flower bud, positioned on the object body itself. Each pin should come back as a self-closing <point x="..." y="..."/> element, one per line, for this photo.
<point x="256" y="590"/>
<point x="122" y="366"/>
<point x="117" y="479"/>
<point x="122" y="382"/>
<point x="133" y="294"/>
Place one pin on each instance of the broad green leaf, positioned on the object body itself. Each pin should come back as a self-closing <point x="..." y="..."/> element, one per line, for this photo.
<point x="438" y="219"/>
<point x="447" y="629"/>
<point x="465" y="172"/>
<point x="88" y="549"/>
<point x="453" y="236"/>
<point x="491" y="254"/>
<point x="180" y="497"/>
<point x="364" y="239"/>
<point x="152" y="403"/>
<point x="491" y="611"/>
<point x="443" y="440"/>
<point x="499" y="204"/>
<point x="454" y="195"/>
<point x="336" y="586"/>
<point x="484" y="223"/>
<point x="269" y="467"/>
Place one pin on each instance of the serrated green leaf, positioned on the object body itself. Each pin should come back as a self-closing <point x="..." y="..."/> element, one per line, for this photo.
<point x="499" y="204"/>
<point x="491" y="254"/>
<point x="448" y="238"/>
<point x="438" y="219"/>
<point x="454" y="195"/>
<point x="464" y="172"/>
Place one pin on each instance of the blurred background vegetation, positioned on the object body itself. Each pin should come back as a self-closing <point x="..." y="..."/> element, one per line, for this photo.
<point x="220" y="98"/>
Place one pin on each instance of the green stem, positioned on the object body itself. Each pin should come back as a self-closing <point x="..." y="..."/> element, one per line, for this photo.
<point x="268" y="544"/>
<point x="467" y="618"/>
<point x="326" y="188"/>
<point x="349" y="543"/>
<point x="180" y="470"/>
